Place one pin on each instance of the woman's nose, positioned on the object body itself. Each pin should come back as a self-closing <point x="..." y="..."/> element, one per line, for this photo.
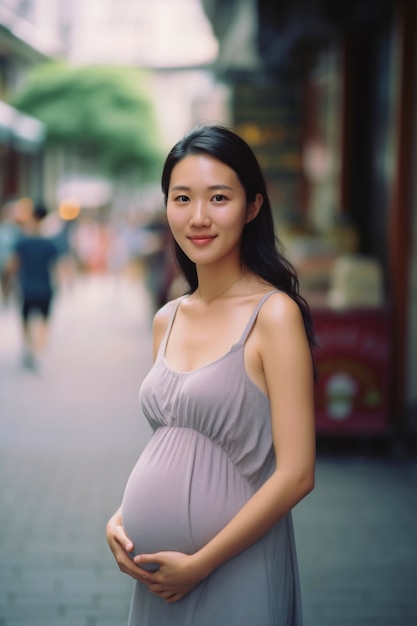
<point x="200" y="215"/>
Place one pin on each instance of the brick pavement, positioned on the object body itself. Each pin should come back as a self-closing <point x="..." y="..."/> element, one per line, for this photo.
<point x="69" y="435"/>
<point x="357" y="542"/>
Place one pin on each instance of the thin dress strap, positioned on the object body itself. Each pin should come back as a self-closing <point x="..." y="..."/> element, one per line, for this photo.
<point x="162" y="347"/>
<point x="244" y="336"/>
<point x="253" y="317"/>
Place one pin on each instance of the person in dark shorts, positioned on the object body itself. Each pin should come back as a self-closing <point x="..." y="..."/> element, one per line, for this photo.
<point x="32" y="262"/>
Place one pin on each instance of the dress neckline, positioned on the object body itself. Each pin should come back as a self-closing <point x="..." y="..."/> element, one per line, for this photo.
<point x="233" y="348"/>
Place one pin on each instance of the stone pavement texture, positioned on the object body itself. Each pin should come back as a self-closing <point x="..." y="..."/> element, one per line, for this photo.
<point x="70" y="434"/>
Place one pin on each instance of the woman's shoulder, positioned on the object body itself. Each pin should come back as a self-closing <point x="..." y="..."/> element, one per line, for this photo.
<point x="163" y="315"/>
<point x="160" y="323"/>
<point x="279" y="309"/>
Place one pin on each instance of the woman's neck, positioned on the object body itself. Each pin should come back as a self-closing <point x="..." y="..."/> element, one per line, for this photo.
<point x="214" y="285"/>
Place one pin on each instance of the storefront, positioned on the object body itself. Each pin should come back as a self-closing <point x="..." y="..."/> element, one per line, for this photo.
<point x="357" y="166"/>
<point x="331" y="115"/>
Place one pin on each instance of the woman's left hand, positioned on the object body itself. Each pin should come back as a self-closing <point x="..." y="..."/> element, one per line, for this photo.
<point x="177" y="575"/>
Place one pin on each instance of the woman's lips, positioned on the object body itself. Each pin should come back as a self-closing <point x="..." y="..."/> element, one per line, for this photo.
<point x="201" y="241"/>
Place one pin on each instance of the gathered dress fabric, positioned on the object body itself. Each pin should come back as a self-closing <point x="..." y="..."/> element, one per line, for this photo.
<point x="210" y="451"/>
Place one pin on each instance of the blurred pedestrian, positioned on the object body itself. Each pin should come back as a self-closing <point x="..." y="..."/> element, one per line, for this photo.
<point x="205" y="522"/>
<point x="156" y="256"/>
<point x="32" y="263"/>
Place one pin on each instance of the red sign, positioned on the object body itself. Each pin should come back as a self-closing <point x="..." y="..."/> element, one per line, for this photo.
<point x="352" y="393"/>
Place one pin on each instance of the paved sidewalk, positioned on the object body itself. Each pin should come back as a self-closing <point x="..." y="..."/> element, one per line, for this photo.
<point x="357" y="543"/>
<point x="69" y="436"/>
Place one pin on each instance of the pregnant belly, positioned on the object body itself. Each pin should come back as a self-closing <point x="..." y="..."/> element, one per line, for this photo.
<point x="182" y="491"/>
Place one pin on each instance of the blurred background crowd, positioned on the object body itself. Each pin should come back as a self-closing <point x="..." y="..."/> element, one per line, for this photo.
<point x="93" y="94"/>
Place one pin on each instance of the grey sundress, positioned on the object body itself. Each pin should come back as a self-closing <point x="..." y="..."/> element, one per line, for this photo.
<point x="210" y="451"/>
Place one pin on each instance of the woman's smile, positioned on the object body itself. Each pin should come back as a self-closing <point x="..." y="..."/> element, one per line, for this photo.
<point x="201" y="240"/>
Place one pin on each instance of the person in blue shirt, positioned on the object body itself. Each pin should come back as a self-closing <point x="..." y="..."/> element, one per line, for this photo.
<point x="32" y="263"/>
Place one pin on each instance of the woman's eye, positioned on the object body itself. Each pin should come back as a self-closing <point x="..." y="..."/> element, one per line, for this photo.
<point x="219" y="197"/>
<point x="181" y="198"/>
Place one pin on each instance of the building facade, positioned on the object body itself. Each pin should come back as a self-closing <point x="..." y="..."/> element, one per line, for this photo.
<point x="29" y="34"/>
<point x="328" y="99"/>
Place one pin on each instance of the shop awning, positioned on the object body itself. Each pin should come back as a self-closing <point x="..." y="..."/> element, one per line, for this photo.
<point x="23" y="132"/>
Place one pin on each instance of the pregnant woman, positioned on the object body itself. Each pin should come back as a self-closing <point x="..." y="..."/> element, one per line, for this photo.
<point x="205" y="523"/>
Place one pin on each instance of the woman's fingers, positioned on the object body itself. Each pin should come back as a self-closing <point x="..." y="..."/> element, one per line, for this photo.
<point x="122" y="546"/>
<point x="168" y="596"/>
<point x="126" y="565"/>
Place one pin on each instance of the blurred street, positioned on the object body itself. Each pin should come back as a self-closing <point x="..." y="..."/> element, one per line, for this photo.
<point x="71" y="431"/>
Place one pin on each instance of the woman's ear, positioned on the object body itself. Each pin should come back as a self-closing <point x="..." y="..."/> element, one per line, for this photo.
<point x="254" y="208"/>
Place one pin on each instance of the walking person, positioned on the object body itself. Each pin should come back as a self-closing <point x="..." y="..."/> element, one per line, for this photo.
<point x="205" y="525"/>
<point x="32" y="262"/>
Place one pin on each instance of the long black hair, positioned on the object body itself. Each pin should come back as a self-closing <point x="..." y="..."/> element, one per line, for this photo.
<point x="259" y="247"/>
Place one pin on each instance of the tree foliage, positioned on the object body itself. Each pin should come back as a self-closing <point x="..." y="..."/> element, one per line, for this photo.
<point x="104" y="112"/>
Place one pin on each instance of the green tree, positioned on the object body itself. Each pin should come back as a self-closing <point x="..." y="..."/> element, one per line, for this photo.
<point x="104" y="113"/>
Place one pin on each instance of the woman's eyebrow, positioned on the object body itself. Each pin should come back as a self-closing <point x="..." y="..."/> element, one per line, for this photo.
<point x="180" y="188"/>
<point x="220" y="186"/>
<point x="210" y="188"/>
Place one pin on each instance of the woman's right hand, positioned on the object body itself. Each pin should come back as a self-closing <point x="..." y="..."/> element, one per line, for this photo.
<point x="122" y="547"/>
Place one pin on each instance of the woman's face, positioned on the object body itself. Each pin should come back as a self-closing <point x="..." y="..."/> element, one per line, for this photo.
<point x="207" y="208"/>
